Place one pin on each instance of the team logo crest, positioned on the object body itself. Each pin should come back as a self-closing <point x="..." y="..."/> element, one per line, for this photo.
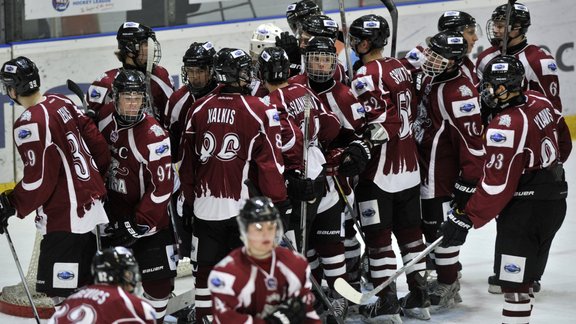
<point x="157" y="130"/>
<point x="114" y="136"/>
<point x="505" y="120"/>
<point x="60" y="5"/>
<point x="465" y="91"/>
<point x="271" y="283"/>
<point x="26" y="116"/>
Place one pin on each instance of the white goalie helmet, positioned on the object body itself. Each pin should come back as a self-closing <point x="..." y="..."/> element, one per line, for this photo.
<point x="264" y="36"/>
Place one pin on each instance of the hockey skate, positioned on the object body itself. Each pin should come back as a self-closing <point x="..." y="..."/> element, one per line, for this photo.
<point x="494" y="287"/>
<point x="384" y="310"/>
<point x="443" y="296"/>
<point x="340" y="306"/>
<point x="416" y="303"/>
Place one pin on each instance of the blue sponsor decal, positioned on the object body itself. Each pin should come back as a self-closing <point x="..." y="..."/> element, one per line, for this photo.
<point x="162" y="149"/>
<point x="498" y="67"/>
<point x="95" y="94"/>
<point x="369" y="213"/>
<point x="24" y="133"/>
<point x="361" y="110"/>
<point x="371" y="24"/>
<point x="216" y="282"/>
<point x="552" y="66"/>
<point x="498" y="137"/>
<point x="276" y="117"/>
<point x="413" y="56"/>
<point x="467" y="107"/>
<point x="360" y="85"/>
<point x="65" y="275"/>
<point x="512" y="268"/>
<point x="60" y="5"/>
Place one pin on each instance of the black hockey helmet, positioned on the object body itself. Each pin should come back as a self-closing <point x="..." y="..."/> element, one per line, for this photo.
<point x="502" y="70"/>
<point x="200" y="55"/>
<point x="321" y="59"/>
<point x="21" y="74"/>
<point x="133" y="82"/>
<point x="442" y="47"/>
<point x="300" y="10"/>
<point x="257" y="210"/>
<point x="232" y="66"/>
<point x="370" y="27"/>
<point x="274" y="65"/>
<point x="456" y="21"/>
<point x="131" y="35"/>
<point x="519" y="18"/>
<point x="116" y="265"/>
<point x="319" y="25"/>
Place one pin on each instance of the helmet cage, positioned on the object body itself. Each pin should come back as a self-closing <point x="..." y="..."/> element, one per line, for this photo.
<point x="130" y="85"/>
<point x="519" y="20"/>
<point x="434" y="64"/>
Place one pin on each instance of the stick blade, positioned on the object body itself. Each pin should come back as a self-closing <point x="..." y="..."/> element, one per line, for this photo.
<point x="347" y="291"/>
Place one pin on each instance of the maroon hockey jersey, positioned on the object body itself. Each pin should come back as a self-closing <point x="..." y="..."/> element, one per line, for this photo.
<point x="520" y="139"/>
<point x="449" y="134"/>
<point x="384" y="87"/>
<point x="247" y="290"/>
<point x="140" y="178"/>
<point x="62" y="152"/>
<point x="102" y="303"/>
<point x="100" y="92"/>
<point x="226" y="135"/>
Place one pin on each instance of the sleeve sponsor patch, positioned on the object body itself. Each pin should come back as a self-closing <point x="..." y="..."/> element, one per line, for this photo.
<point x="468" y="107"/>
<point x="221" y="283"/>
<point x="26" y="133"/>
<point x="358" y="111"/>
<point x="97" y="94"/>
<point x="362" y="85"/>
<point x="159" y="150"/>
<point x="273" y="117"/>
<point x="549" y="67"/>
<point x="500" y="137"/>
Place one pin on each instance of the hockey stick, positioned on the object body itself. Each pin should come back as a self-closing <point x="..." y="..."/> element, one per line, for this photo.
<point x="256" y="192"/>
<point x="507" y="29"/>
<point x="391" y="6"/>
<point x="75" y="88"/>
<point x="349" y="207"/>
<point x="348" y="292"/>
<point x="304" y="204"/>
<point x="22" y="277"/>
<point x="346" y="39"/>
<point x="149" y="67"/>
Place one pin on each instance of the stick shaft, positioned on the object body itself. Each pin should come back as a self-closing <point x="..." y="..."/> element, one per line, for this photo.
<point x="391" y="6"/>
<point x="346" y="39"/>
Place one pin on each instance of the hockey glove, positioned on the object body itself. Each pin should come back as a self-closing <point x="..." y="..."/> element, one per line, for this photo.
<point x="304" y="189"/>
<point x="463" y="190"/>
<point x="187" y="217"/>
<point x="285" y="209"/>
<point x="291" y="311"/>
<point x="6" y="210"/>
<point x="333" y="158"/>
<point x="289" y="44"/>
<point x="455" y="228"/>
<point x="125" y="233"/>
<point x="355" y="158"/>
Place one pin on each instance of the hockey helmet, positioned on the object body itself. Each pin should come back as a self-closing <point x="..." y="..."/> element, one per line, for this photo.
<point x="131" y="36"/>
<point x="502" y="70"/>
<point x="258" y="210"/>
<point x="264" y="36"/>
<point x="116" y="265"/>
<point x="455" y="20"/>
<point x="443" y="47"/>
<point x="21" y="74"/>
<point x="130" y="86"/>
<point x="198" y="56"/>
<point x="321" y="60"/>
<point x="319" y="25"/>
<point x="232" y="66"/>
<point x="274" y="65"/>
<point x="371" y="27"/>
<point x="300" y="10"/>
<point x="519" y="18"/>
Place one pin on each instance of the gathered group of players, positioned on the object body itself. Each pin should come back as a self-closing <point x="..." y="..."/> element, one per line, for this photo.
<point x="279" y="149"/>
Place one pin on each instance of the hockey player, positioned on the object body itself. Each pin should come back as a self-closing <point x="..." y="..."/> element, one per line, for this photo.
<point x="448" y="130"/>
<point x="523" y="184"/>
<point x="263" y="37"/>
<point x="261" y="282"/>
<point x="388" y="191"/>
<point x="229" y="137"/>
<point x="133" y="39"/>
<point x="64" y="156"/>
<point x="541" y="71"/>
<point x="139" y="183"/>
<point x="323" y="216"/>
<point x="111" y="298"/>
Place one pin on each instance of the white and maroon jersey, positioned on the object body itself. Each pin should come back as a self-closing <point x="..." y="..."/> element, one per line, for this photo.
<point x="100" y="91"/>
<point x="140" y="179"/>
<point x="384" y="87"/>
<point x="102" y="303"/>
<point x="62" y="150"/>
<point x="541" y="69"/>
<point x="520" y="139"/>
<point x="229" y="136"/>
<point x="449" y="130"/>
<point x="323" y="125"/>
<point x="243" y="293"/>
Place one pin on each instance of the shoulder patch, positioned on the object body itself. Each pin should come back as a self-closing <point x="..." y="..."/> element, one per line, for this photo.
<point x="500" y="137"/>
<point x="26" y="134"/>
<point x="358" y="111"/>
<point x="465" y="91"/>
<point x="273" y="117"/>
<point x="26" y="116"/>
<point x="362" y="84"/>
<point x="221" y="283"/>
<point x="504" y="120"/>
<point x="549" y="66"/>
<point x="157" y="130"/>
<point x="468" y="107"/>
<point x="97" y="94"/>
<point x="159" y="150"/>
